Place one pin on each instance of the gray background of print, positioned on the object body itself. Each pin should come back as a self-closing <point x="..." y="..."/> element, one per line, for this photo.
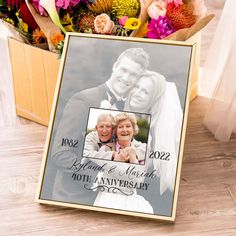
<point x="89" y="63"/>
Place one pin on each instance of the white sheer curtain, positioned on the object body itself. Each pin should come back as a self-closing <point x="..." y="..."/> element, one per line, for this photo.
<point x="219" y="76"/>
<point x="7" y="102"/>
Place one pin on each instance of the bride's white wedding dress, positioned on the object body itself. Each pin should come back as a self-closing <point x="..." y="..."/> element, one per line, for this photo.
<point x="112" y="192"/>
<point x="121" y="198"/>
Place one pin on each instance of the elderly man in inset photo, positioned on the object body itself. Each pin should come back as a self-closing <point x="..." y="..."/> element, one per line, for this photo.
<point x="101" y="136"/>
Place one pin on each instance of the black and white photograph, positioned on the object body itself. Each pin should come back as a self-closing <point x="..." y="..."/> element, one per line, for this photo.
<point x="117" y="133"/>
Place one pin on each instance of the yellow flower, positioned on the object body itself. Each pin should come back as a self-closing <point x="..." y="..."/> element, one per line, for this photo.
<point x="132" y="23"/>
<point x="128" y="8"/>
<point x="10" y="21"/>
<point x="67" y="22"/>
<point x="66" y="19"/>
<point x="25" y="27"/>
<point x="69" y="28"/>
<point x="22" y="25"/>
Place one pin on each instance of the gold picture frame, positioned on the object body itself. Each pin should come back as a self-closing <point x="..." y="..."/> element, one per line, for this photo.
<point x="142" y="178"/>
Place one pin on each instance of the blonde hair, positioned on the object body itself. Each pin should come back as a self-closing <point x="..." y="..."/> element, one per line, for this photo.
<point x="127" y="116"/>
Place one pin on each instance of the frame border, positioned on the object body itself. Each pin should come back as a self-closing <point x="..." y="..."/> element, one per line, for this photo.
<point x="183" y="132"/>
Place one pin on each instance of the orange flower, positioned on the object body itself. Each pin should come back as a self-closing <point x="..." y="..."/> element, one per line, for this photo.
<point x="143" y="29"/>
<point x="38" y="36"/>
<point x="57" y="38"/>
<point x="180" y="16"/>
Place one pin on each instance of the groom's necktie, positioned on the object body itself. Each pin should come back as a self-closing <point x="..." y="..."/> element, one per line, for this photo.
<point x="114" y="101"/>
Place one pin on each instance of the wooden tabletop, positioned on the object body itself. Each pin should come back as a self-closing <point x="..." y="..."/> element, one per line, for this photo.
<point x="206" y="203"/>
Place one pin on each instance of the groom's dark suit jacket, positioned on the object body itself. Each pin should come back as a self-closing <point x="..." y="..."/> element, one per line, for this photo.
<point x="72" y="127"/>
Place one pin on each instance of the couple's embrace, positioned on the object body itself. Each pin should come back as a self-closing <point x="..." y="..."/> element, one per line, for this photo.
<point x="113" y="139"/>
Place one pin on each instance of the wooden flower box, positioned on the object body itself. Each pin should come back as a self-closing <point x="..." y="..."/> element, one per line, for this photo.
<point x="34" y="72"/>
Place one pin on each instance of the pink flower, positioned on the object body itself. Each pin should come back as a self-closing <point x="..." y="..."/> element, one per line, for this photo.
<point x="156" y="9"/>
<point x="176" y="2"/>
<point x="103" y="24"/>
<point x="39" y="8"/>
<point x="65" y="4"/>
<point x="122" y="20"/>
<point x="159" y="29"/>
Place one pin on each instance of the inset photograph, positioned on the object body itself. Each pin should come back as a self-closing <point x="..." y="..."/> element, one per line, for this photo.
<point x="117" y="136"/>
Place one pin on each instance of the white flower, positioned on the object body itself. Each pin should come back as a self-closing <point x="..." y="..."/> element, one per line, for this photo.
<point x="103" y="24"/>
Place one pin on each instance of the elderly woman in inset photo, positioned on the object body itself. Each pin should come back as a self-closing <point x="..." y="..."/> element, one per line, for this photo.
<point x="125" y="145"/>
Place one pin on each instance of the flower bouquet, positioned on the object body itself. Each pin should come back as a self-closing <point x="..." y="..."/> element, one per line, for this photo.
<point x="43" y="23"/>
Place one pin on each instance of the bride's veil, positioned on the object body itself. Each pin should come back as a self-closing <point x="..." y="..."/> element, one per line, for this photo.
<point x="166" y="133"/>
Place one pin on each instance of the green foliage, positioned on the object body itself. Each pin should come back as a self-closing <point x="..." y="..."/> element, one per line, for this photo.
<point x="142" y="135"/>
